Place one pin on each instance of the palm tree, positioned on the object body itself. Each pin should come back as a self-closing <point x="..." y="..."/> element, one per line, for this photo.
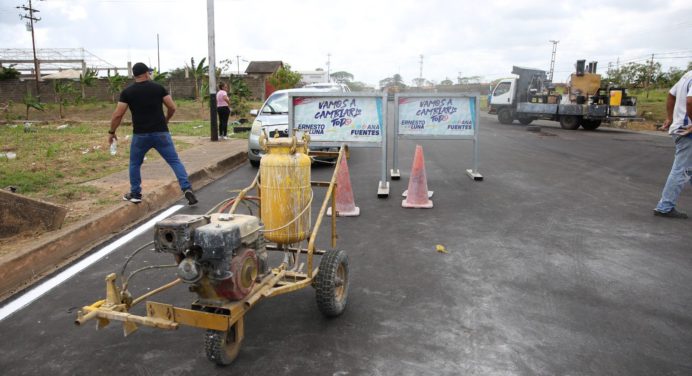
<point x="63" y="90"/>
<point x="198" y="71"/>
<point x="115" y="84"/>
<point x="87" y="79"/>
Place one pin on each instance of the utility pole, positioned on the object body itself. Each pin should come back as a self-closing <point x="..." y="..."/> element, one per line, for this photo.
<point x="158" y="54"/>
<point x="212" y="71"/>
<point x="552" y="59"/>
<point x="648" y="76"/>
<point x="31" y="19"/>
<point x="237" y="58"/>
<point x="329" y="61"/>
<point x="420" y="72"/>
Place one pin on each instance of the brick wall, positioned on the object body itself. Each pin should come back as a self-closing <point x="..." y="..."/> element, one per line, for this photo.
<point x="180" y="88"/>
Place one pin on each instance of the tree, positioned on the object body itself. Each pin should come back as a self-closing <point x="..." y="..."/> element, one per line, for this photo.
<point x="635" y="75"/>
<point x="116" y="84"/>
<point x="9" y="73"/>
<point x="341" y="77"/>
<point x="160" y="77"/>
<point x="447" y="82"/>
<point x="88" y="78"/>
<point x="64" y="91"/>
<point x="356" y="85"/>
<point x="396" y="81"/>
<point x="197" y="71"/>
<point x="469" y="80"/>
<point x="31" y="101"/>
<point x="177" y="73"/>
<point x="285" y="78"/>
<point x="225" y="66"/>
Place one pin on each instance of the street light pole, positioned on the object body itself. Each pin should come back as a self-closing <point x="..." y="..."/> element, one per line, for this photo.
<point x="212" y="71"/>
<point x="158" y="54"/>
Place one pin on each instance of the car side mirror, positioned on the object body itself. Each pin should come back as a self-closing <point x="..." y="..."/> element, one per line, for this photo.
<point x="254" y="112"/>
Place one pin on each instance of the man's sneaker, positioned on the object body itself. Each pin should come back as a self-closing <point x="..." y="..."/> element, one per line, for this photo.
<point x="190" y="196"/>
<point x="133" y="197"/>
<point x="671" y="214"/>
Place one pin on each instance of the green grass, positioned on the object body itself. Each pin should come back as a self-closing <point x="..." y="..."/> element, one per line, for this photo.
<point x="652" y="108"/>
<point x="52" y="164"/>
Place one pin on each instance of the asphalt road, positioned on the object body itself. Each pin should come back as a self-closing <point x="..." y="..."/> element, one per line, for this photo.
<point x="556" y="266"/>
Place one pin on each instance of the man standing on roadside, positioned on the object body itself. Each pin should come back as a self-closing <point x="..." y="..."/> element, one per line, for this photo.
<point x="146" y="99"/>
<point x="679" y="109"/>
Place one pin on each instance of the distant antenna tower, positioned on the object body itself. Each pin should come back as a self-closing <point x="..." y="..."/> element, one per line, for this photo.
<point x="552" y="59"/>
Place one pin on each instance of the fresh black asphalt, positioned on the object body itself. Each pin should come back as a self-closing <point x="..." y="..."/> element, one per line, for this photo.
<point x="556" y="266"/>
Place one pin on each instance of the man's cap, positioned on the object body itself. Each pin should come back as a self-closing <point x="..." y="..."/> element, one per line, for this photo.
<point x="140" y="68"/>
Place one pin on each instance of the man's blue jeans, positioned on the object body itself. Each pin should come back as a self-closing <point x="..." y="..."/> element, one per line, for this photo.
<point x="163" y="143"/>
<point x="679" y="174"/>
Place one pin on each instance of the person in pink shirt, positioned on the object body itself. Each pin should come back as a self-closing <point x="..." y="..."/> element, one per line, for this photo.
<point x="223" y="108"/>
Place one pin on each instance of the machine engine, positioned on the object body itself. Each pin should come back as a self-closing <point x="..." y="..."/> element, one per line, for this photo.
<point x="227" y="251"/>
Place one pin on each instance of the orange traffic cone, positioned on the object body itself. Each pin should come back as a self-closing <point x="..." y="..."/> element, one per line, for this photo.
<point x="417" y="192"/>
<point x="345" y="204"/>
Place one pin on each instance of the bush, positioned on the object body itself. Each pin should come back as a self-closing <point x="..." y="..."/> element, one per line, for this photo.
<point x="8" y="73"/>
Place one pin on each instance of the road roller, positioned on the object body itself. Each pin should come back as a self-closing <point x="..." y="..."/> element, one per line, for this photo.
<point x="223" y="256"/>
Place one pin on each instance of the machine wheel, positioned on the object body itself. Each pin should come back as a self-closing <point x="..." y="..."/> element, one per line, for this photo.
<point x="504" y="116"/>
<point x="525" y="120"/>
<point x="569" y="122"/>
<point x="254" y="164"/>
<point x="590" y="125"/>
<point x="223" y="347"/>
<point x="331" y="283"/>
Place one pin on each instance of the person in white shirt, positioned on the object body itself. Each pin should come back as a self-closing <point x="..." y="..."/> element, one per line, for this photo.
<point x="679" y="125"/>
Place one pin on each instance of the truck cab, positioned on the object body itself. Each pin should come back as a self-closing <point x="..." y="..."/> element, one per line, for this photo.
<point x="502" y="100"/>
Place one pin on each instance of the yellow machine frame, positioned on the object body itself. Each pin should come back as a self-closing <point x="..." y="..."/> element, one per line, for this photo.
<point x="118" y="303"/>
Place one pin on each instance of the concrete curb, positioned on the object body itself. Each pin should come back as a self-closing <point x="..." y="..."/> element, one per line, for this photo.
<point x="20" y="270"/>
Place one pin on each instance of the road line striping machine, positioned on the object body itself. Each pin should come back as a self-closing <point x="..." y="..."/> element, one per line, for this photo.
<point x="223" y="256"/>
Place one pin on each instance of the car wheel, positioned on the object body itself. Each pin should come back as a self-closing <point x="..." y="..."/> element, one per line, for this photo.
<point x="504" y="116"/>
<point x="569" y="122"/>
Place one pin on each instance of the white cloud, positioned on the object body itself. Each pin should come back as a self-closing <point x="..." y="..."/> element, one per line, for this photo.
<point x="371" y="39"/>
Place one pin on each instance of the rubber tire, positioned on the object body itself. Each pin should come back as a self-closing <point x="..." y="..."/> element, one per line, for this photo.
<point x="570" y="122"/>
<point x="254" y="163"/>
<point x="525" y="121"/>
<point x="590" y="125"/>
<point x="220" y="347"/>
<point x="504" y="116"/>
<point x="326" y="282"/>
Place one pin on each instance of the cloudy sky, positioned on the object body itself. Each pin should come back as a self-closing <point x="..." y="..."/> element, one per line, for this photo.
<point x="372" y="39"/>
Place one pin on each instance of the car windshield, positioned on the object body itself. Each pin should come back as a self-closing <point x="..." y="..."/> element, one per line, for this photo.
<point x="276" y="104"/>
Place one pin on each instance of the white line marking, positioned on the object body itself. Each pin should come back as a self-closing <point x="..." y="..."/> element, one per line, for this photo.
<point x="68" y="273"/>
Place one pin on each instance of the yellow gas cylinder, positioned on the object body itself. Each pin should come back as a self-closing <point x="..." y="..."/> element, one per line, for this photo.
<point x="285" y="190"/>
<point x="615" y="97"/>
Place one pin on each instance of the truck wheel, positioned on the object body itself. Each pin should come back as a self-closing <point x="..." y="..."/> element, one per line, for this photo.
<point x="504" y="116"/>
<point x="590" y="125"/>
<point x="223" y="347"/>
<point x="569" y="122"/>
<point x="331" y="283"/>
<point x="525" y="120"/>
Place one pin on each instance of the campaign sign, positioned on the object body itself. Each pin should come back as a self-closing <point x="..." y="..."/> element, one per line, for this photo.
<point x="356" y="119"/>
<point x="437" y="116"/>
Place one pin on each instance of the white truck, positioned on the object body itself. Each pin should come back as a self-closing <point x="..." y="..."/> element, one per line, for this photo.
<point x="531" y="96"/>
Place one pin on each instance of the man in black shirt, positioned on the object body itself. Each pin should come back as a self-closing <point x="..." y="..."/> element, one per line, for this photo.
<point x="146" y="99"/>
